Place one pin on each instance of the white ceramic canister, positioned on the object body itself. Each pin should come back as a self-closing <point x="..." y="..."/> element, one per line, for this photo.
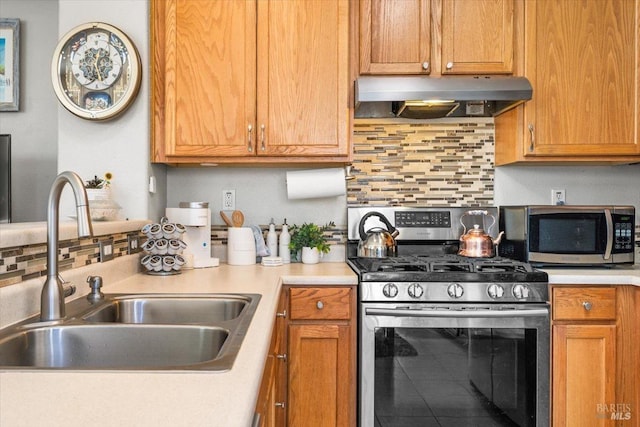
<point x="241" y="246"/>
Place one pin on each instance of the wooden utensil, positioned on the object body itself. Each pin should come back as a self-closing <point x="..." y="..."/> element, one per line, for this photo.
<point x="226" y="219"/>
<point x="238" y="218"/>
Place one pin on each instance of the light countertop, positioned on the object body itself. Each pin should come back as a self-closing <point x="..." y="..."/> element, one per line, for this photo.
<point x="161" y="398"/>
<point x="595" y="276"/>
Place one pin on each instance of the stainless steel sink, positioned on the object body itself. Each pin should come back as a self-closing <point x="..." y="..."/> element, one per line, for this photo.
<point x="134" y="332"/>
<point x="112" y="346"/>
<point x="170" y="309"/>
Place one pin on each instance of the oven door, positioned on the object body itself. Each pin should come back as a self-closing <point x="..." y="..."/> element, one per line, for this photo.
<point x="454" y="365"/>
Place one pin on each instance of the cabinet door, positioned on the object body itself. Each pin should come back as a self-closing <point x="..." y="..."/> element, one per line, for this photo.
<point x="581" y="58"/>
<point x="303" y="78"/>
<point x="477" y="36"/>
<point x="395" y="36"/>
<point x="584" y="369"/>
<point x="320" y="375"/>
<point x="203" y="77"/>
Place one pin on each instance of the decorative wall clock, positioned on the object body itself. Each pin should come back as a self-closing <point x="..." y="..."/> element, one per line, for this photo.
<point x="96" y="71"/>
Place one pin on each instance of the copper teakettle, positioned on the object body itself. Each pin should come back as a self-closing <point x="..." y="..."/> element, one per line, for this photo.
<point x="476" y="243"/>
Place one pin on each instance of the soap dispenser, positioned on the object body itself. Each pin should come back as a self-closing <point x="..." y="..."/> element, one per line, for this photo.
<point x="285" y="239"/>
<point x="272" y="239"/>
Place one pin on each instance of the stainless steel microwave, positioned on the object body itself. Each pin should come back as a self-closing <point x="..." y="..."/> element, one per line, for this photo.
<point x="568" y="235"/>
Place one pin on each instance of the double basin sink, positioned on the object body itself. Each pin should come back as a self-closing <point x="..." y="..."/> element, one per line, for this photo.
<point x="134" y="332"/>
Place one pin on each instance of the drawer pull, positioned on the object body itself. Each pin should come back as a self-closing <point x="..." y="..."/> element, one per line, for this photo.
<point x="587" y="305"/>
<point x="320" y="305"/>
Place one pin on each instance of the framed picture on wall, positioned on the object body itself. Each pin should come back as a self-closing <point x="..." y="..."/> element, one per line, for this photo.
<point x="9" y="64"/>
<point x="5" y="178"/>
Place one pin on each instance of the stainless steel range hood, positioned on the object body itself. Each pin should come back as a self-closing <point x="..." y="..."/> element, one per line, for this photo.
<point x="423" y="97"/>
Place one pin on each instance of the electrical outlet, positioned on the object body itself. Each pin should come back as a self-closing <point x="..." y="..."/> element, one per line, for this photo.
<point x="558" y="197"/>
<point x="133" y="244"/>
<point x="106" y="250"/>
<point x="228" y="200"/>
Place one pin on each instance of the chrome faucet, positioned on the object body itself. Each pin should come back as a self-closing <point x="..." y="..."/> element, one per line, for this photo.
<point x="52" y="299"/>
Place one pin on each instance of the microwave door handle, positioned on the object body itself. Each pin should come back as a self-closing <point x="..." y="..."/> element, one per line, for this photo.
<point x="455" y="313"/>
<point x="610" y="236"/>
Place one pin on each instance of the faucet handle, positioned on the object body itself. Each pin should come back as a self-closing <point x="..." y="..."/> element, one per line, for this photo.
<point x="95" y="283"/>
<point x="68" y="288"/>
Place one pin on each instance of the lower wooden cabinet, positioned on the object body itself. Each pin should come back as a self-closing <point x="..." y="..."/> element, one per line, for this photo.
<point x="595" y="356"/>
<point x="310" y="374"/>
<point x="271" y="399"/>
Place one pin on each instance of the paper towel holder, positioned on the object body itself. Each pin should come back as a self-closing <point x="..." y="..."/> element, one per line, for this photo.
<point x="347" y="173"/>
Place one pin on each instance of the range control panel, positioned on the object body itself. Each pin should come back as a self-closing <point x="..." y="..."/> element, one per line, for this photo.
<point x="423" y="219"/>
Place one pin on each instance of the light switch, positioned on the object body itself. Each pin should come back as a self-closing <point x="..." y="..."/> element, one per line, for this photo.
<point x="106" y="250"/>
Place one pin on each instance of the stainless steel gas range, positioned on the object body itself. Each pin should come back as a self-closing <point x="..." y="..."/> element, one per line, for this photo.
<point x="445" y="339"/>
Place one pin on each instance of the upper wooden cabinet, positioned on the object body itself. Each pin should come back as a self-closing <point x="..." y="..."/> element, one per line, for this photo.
<point x="581" y="59"/>
<point x="436" y="36"/>
<point x="246" y="81"/>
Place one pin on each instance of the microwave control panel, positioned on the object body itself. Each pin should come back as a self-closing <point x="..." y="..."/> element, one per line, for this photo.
<point x="624" y="229"/>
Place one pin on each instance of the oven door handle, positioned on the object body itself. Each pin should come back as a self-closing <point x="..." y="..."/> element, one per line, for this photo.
<point x="402" y="312"/>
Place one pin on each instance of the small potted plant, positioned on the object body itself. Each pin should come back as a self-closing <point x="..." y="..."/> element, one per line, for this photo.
<point x="99" y="188"/>
<point x="101" y="205"/>
<point x="310" y="241"/>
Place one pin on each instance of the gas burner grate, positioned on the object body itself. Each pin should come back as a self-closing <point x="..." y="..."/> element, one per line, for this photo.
<point x="441" y="264"/>
<point x="501" y="265"/>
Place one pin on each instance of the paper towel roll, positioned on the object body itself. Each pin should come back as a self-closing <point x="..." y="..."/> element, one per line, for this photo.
<point x="315" y="183"/>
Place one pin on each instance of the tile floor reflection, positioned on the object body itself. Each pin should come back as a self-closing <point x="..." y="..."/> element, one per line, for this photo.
<point x="432" y="389"/>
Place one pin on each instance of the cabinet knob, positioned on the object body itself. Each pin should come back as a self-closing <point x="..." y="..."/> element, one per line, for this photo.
<point x="280" y="405"/>
<point x="587" y="305"/>
<point x="425" y="65"/>
<point x="449" y="65"/>
<point x="320" y="305"/>
<point x="282" y="357"/>
<point x="283" y="314"/>
<point x="249" y="142"/>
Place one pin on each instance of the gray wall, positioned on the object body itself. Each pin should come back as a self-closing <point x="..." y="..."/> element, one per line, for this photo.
<point x="583" y="184"/>
<point x="33" y="129"/>
<point x="261" y="194"/>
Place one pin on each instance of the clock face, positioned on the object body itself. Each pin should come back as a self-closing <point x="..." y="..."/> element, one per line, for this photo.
<point x="96" y="71"/>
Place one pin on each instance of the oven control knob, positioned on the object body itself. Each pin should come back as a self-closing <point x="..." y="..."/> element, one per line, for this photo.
<point x="415" y="290"/>
<point x="495" y="291"/>
<point x="390" y="290"/>
<point x="520" y="291"/>
<point x="455" y="290"/>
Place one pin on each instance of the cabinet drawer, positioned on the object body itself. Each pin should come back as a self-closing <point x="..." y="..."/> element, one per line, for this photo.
<point x="326" y="303"/>
<point x="587" y="303"/>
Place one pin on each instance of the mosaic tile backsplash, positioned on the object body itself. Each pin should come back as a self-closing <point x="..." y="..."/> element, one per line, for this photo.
<point x="439" y="163"/>
<point x="29" y="262"/>
<point x="417" y="163"/>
